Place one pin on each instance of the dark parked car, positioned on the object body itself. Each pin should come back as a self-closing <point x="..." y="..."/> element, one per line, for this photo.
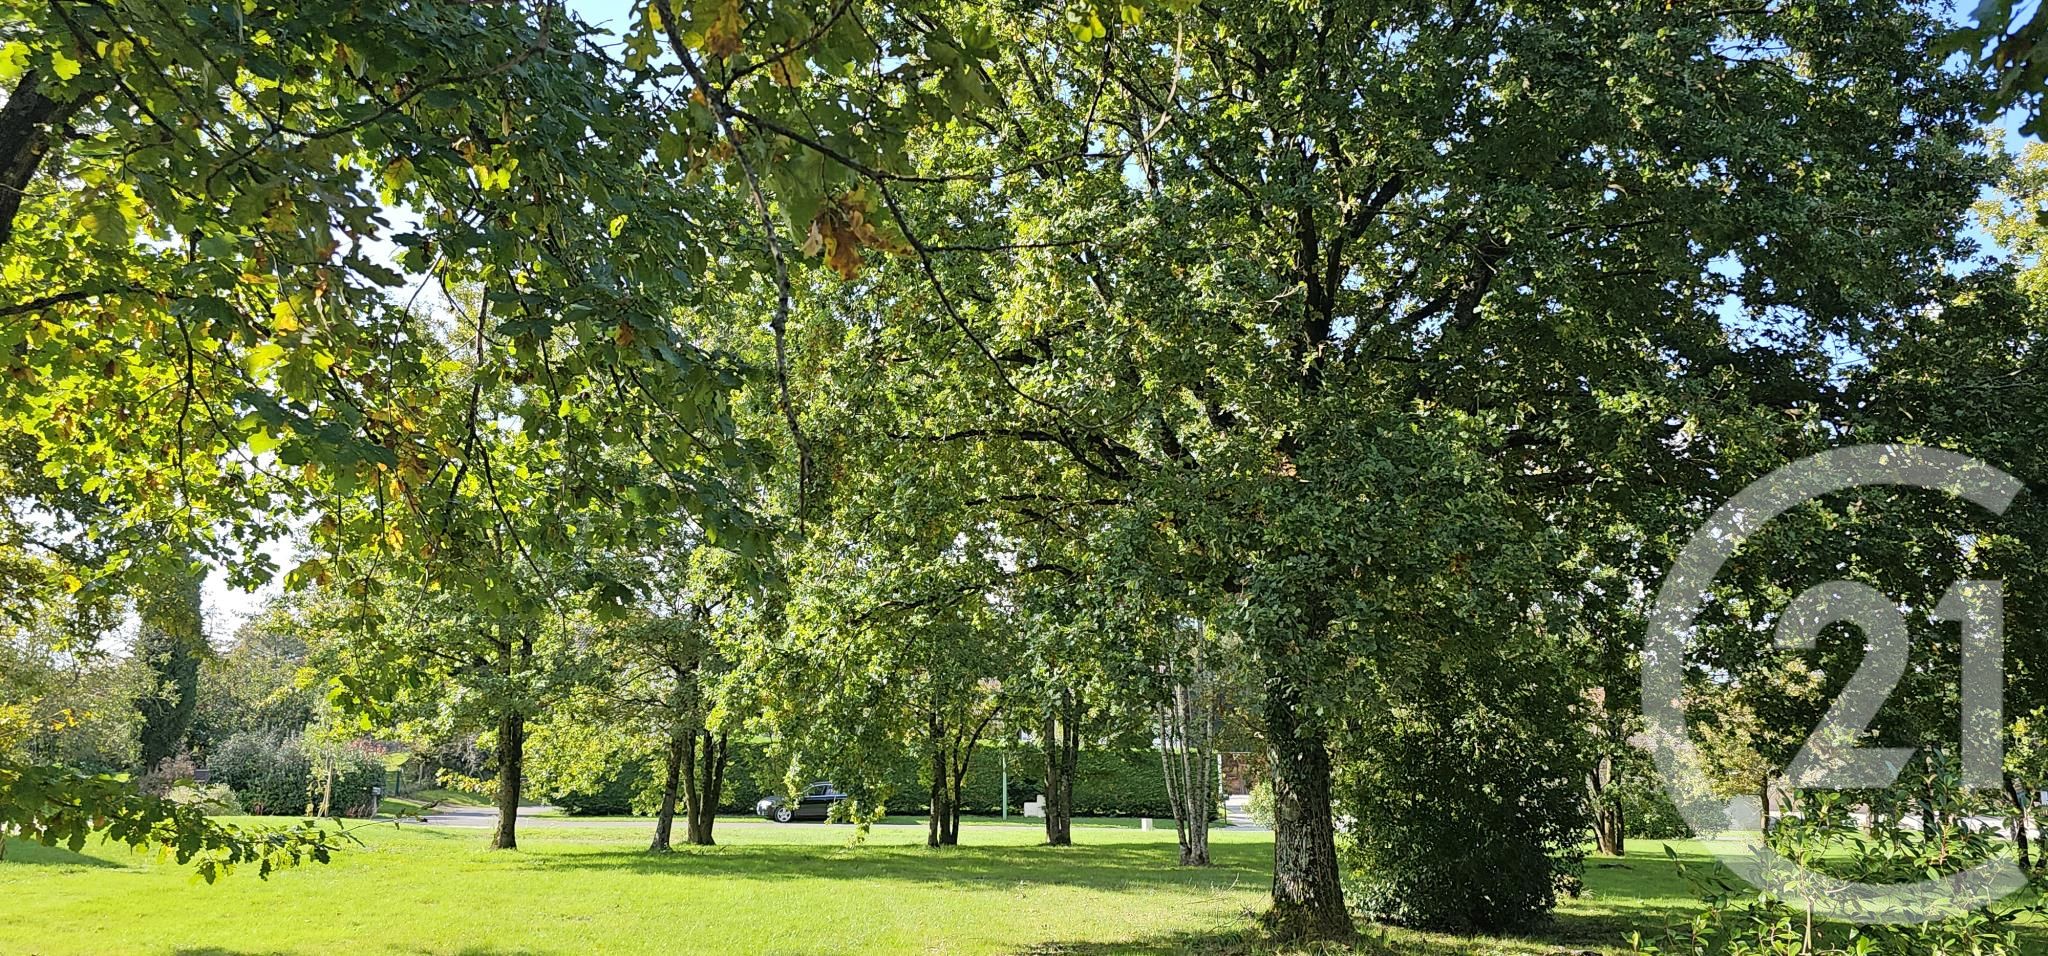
<point x="814" y="804"/>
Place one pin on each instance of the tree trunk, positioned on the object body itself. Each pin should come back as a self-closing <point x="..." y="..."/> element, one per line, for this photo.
<point x="1062" y="739"/>
<point x="2018" y="795"/>
<point x="511" y="777"/>
<point x="1308" y="899"/>
<point x="672" y="773"/>
<point x="707" y="789"/>
<point x="30" y="124"/>
<point x="938" y="816"/>
<point x="1763" y="795"/>
<point x="953" y="800"/>
<point x="1609" y="825"/>
<point x="1187" y="753"/>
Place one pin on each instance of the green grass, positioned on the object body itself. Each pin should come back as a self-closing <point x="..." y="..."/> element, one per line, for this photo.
<point x="768" y="889"/>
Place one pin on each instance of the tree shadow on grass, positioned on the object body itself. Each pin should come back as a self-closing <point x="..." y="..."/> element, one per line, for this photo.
<point x="1374" y="940"/>
<point x="1642" y="893"/>
<point x="36" y="854"/>
<point x="1106" y="867"/>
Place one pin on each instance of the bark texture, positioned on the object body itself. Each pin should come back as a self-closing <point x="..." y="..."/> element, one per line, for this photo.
<point x="674" y="758"/>
<point x="1187" y="753"/>
<point x="1308" y="899"/>
<point x="511" y="778"/>
<point x="1610" y="824"/>
<point x="30" y="125"/>
<point x="1062" y="739"/>
<point x="703" y="783"/>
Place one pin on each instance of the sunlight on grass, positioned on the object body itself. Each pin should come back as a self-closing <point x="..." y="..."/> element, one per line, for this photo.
<point x="768" y="889"/>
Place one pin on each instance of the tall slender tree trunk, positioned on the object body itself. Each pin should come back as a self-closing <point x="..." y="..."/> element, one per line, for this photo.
<point x="1062" y="741"/>
<point x="707" y="787"/>
<point x="673" y="764"/>
<point x="1609" y="822"/>
<point x="954" y="799"/>
<point x="1187" y="725"/>
<point x="2019" y="796"/>
<point x="939" y="815"/>
<point x="1308" y="899"/>
<point x="1763" y="796"/>
<point x="511" y="778"/>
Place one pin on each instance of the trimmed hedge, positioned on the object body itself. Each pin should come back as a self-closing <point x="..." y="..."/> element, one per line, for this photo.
<point x="1107" y="783"/>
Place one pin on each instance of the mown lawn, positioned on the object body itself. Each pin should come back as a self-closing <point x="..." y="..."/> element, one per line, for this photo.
<point x="769" y="889"/>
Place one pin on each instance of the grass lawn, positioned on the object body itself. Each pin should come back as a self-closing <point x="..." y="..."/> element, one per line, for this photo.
<point x="769" y="889"/>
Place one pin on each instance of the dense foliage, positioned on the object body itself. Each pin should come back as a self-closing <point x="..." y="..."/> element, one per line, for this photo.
<point x="903" y="381"/>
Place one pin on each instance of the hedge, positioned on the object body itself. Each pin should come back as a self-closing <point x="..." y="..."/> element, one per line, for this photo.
<point x="1107" y="783"/>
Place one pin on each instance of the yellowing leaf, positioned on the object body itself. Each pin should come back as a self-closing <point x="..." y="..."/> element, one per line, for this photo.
<point x="13" y="61"/>
<point x="64" y="66"/>
<point x="722" y="37"/>
<point x="264" y="356"/>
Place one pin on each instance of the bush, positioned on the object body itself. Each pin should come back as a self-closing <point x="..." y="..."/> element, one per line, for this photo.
<point x="169" y="773"/>
<point x="1107" y="783"/>
<point x="272" y="774"/>
<point x="268" y="770"/>
<point x="1260" y="806"/>
<point x="614" y="795"/>
<point x="211" y="798"/>
<point x="1463" y="823"/>
<point x="1827" y="837"/>
<point x="1647" y="811"/>
<point x="356" y="772"/>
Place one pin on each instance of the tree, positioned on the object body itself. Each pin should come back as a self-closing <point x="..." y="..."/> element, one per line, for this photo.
<point x="1373" y="244"/>
<point x="669" y="667"/>
<point x="1190" y="718"/>
<point x="172" y="646"/>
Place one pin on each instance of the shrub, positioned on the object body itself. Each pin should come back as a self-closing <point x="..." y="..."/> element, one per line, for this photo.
<point x="268" y="770"/>
<point x="1826" y="837"/>
<point x="1260" y="806"/>
<point x="1107" y="783"/>
<point x="1464" y="822"/>
<point x="355" y="773"/>
<point x="169" y="773"/>
<point x="1648" y="813"/>
<point x="614" y="794"/>
<point x="208" y="797"/>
